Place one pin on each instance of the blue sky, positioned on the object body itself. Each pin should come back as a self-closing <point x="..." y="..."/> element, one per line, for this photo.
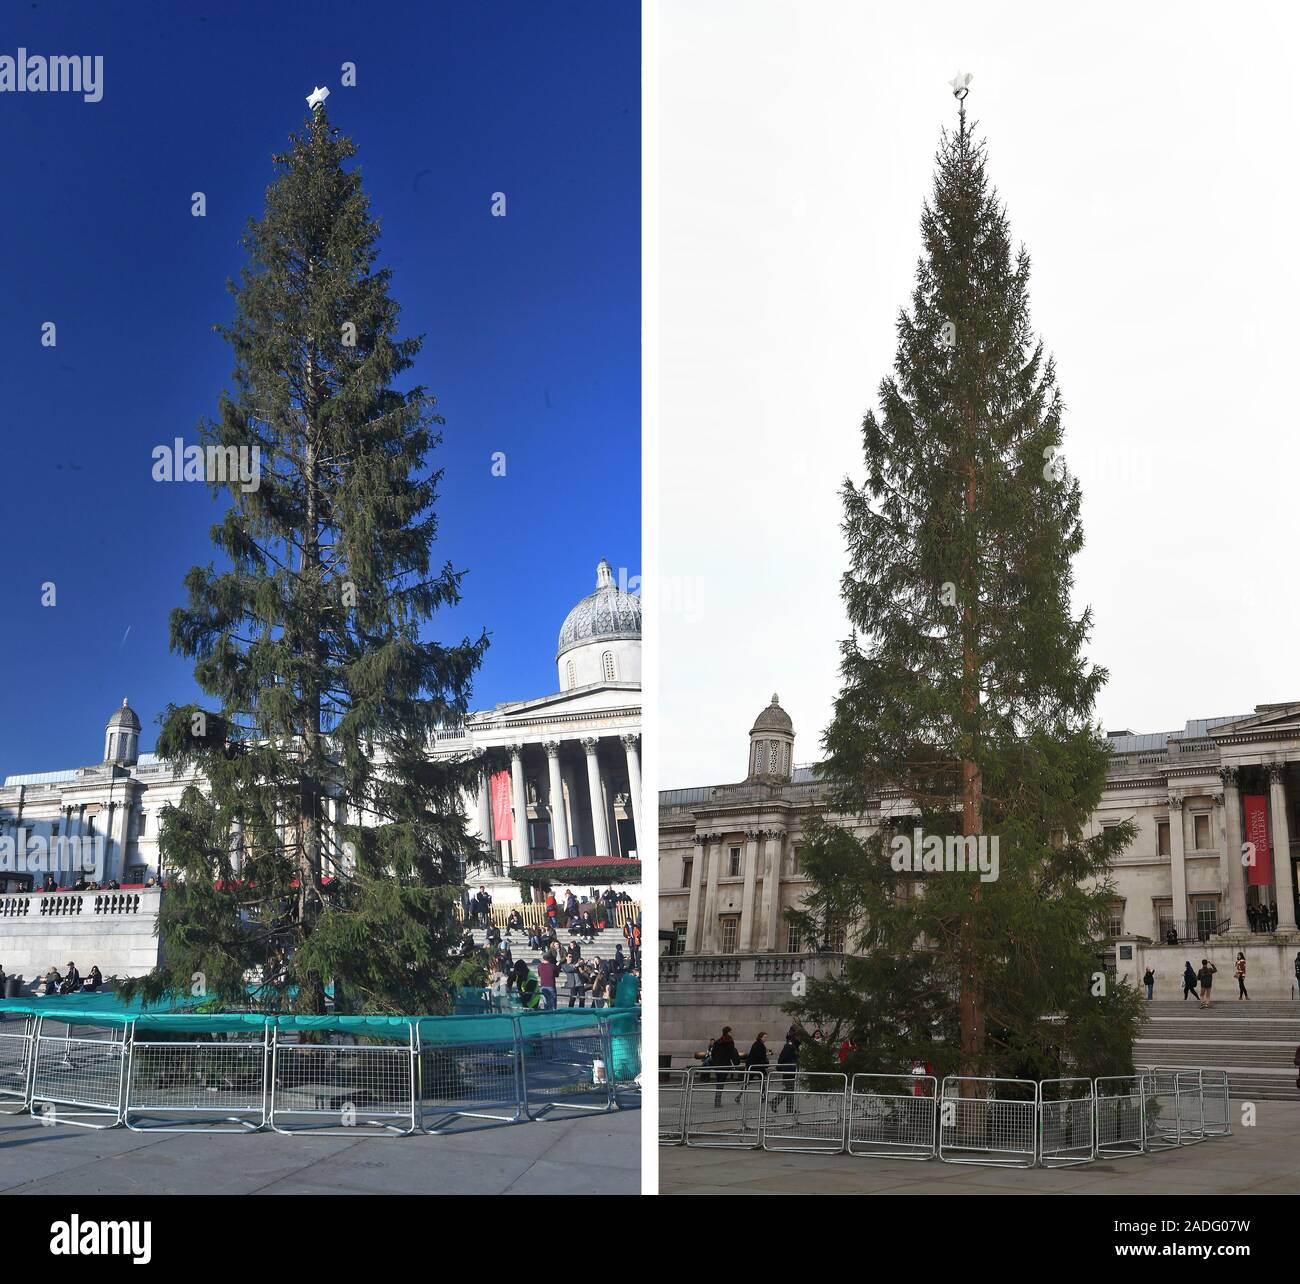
<point x="532" y="321"/>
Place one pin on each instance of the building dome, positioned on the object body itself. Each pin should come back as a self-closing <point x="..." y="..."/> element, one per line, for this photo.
<point x="773" y="718"/>
<point x="125" y="717"/>
<point x="600" y="640"/>
<point x="122" y="736"/>
<point x="771" y="744"/>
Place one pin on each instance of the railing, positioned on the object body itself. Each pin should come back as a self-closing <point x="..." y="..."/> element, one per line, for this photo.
<point x="534" y="914"/>
<point x="773" y="970"/>
<point x="1189" y="930"/>
<point x="63" y="904"/>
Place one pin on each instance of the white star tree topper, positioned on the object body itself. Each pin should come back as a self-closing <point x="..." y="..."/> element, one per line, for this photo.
<point x="317" y="97"/>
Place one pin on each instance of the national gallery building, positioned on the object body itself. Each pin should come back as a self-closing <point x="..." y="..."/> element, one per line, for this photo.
<point x="729" y="866"/>
<point x="568" y="783"/>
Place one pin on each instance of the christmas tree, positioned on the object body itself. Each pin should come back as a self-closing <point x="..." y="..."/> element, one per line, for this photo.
<point x="327" y="847"/>
<point x="965" y="689"/>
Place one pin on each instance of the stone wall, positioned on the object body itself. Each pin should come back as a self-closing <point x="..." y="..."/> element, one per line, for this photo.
<point x="1270" y="966"/>
<point x="699" y="994"/>
<point x="112" y="930"/>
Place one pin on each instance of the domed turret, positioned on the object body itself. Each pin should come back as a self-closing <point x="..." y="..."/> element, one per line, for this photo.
<point x="771" y="744"/>
<point x="600" y="640"/>
<point x="122" y="737"/>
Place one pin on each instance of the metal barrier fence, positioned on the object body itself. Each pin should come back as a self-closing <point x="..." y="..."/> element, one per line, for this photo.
<point x="892" y="1116"/>
<point x="672" y="1106"/>
<point x="805" y="1111"/>
<point x="16" y="1041"/>
<point x="78" y="1079"/>
<point x="469" y="1081"/>
<point x="1120" y="1105"/>
<point x="997" y="1122"/>
<point x="333" y="1085"/>
<point x="988" y="1121"/>
<point x="1066" y="1122"/>
<point x="1217" y="1121"/>
<point x="315" y="1082"/>
<point x="568" y="1070"/>
<point x="724" y="1108"/>
<point x="187" y="1086"/>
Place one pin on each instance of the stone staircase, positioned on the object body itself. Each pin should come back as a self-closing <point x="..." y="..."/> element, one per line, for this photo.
<point x="1253" y="1041"/>
<point x="601" y="945"/>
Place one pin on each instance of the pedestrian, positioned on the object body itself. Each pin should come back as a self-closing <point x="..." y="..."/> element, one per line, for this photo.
<point x="1206" y="978"/>
<point x="787" y="1070"/>
<point x="1149" y="980"/>
<point x="546" y="973"/>
<point x="1189" y="980"/>
<point x="724" y="1058"/>
<point x="756" y="1061"/>
<point x="1239" y="969"/>
<point x="1252" y="916"/>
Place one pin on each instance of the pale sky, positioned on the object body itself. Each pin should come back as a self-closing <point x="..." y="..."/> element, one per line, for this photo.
<point x="1147" y="156"/>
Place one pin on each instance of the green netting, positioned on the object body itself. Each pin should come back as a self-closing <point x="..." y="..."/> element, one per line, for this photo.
<point x="111" y="1009"/>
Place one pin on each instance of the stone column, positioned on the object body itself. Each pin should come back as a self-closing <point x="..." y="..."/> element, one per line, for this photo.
<point x="1281" y="847"/>
<point x="1177" y="862"/>
<point x="484" y="805"/>
<point x="747" y="905"/>
<point x="237" y="846"/>
<point x="569" y="783"/>
<point x="1236" y="880"/>
<point x="772" y="892"/>
<point x="693" y="907"/>
<point x="634" y="783"/>
<point x="519" y="853"/>
<point x="555" y="801"/>
<point x="709" y="936"/>
<point x="599" y="825"/>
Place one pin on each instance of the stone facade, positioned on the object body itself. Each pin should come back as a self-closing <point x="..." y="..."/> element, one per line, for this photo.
<point x="729" y="861"/>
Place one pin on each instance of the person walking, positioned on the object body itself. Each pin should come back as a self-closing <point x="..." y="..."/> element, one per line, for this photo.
<point x="1239" y="970"/>
<point x="787" y="1070"/>
<point x="1189" y="980"/>
<point x="546" y="974"/>
<point x="1206" y="978"/>
<point x="725" y="1058"/>
<point x="1149" y="980"/>
<point x="756" y="1061"/>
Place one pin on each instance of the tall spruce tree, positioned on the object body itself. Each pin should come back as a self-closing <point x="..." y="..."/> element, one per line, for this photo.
<point x="309" y="639"/>
<point x="965" y="687"/>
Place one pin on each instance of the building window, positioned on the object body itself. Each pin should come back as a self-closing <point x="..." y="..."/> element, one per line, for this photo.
<point x="793" y="861"/>
<point x="568" y="673"/>
<point x="1201" y="832"/>
<point x="793" y="941"/>
<point x="607" y="666"/>
<point x="733" y="863"/>
<point x="144" y="824"/>
<point x="835" y="934"/>
<point x="679" y="938"/>
<point x="730" y="925"/>
<point x="1162" y="838"/>
<point x="1207" y="917"/>
<point x="771" y="757"/>
<point x="688" y="865"/>
<point x="1117" y="919"/>
<point x="1164" y="915"/>
<point x="758" y="758"/>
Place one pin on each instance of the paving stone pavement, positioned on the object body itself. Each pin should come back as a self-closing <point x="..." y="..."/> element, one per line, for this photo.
<point x="1263" y="1159"/>
<point x="562" y="1154"/>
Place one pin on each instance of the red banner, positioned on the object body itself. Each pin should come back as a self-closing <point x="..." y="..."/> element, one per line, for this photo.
<point x="502" y="829"/>
<point x="1260" y="873"/>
